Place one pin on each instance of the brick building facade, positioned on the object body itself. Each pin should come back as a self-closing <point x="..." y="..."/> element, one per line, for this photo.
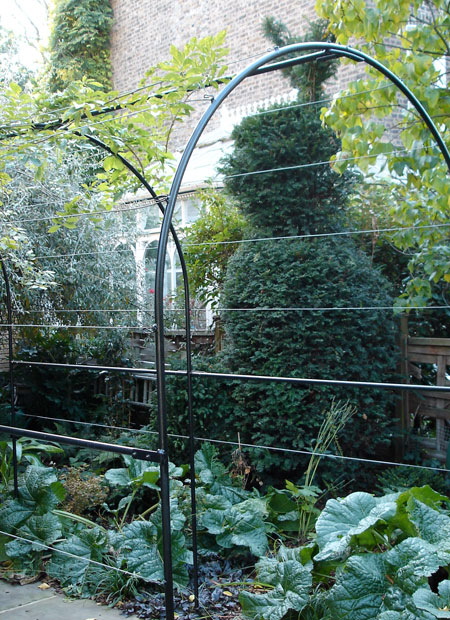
<point x="144" y="30"/>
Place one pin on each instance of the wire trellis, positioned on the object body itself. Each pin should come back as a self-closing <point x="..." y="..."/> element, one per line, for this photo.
<point x="319" y="51"/>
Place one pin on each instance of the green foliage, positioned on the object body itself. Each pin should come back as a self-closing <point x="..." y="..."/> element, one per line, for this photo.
<point x="59" y="394"/>
<point x="411" y="40"/>
<point x="372" y="559"/>
<point x="291" y="582"/>
<point x="79" y="43"/>
<point x="309" y="77"/>
<point x="28" y="450"/>
<point x="347" y="345"/>
<point x="205" y="253"/>
<point x="292" y="201"/>
<point x="319" y="272"/>
<point x="140" y="134"/>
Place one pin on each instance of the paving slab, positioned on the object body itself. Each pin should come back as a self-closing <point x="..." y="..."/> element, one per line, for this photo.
<point x="29" y="602"/>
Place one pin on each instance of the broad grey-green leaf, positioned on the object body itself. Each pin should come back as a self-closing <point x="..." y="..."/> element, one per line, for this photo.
<point x="40" y="489"/>
<point x="39" y="532"/>
<point x="292" y="582"/>
<point x="432" y="525"/>
<point x="242" y="524"/>
<point x="342" y="519"/>
<point x="118" y="477"/>
<point x="12" y="514"/>
<point x="438" y="605"/>
<point x="360" y="588"/>
<point x="413" y="560"/>
<point x="406" y="614"/>
<point x="141" y="553"/>
<point x="136" y="473"/>
<point x="177" y="518"/>
<point x="69" y="570"/>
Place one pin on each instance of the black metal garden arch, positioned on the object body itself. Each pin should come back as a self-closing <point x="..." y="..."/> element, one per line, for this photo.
<point x="320" y="52"/>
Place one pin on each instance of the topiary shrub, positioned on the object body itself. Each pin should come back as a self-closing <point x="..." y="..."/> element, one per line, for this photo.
<point x="302" y="195"/>
<point x="346" y="345"/>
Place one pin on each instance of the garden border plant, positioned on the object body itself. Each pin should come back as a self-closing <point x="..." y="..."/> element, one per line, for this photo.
<point x="319" y="51"/>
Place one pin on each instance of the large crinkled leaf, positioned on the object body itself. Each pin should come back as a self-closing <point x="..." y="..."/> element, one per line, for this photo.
<point x="208" y="468"/>
<point x="177" y="518"/>
<point x="360" y="588"/>
<point x="242" y="524"/>
<point x="218" y="502"/>
<point x="342" y="519"/>
<point x="431" y="525"/>
<point x="406" y="614"/>
<point x="71" y="560"/>
<point x="12" y="514"/>
<point x="291" y="581"/>
<point x="39" y="532"/>
<point x="413" y="561"/>
<point x="371" y="584"/>
<point x="302" y="554"/>
<point x="135" y="474"/>
<point x="438" y="605"/>
<point x="40" y="489"/>
<point x="141" y="552"/>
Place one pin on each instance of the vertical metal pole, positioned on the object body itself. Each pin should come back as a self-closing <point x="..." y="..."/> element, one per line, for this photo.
<point x="11" y="372"/>
<point x="404" y="397"/>
<point x="191" y="429"/>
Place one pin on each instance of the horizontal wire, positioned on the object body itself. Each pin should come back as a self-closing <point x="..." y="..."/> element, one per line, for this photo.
<point x="316" y="235"/>
<point x="325" y="308"/>
<point x="88" y="214"/>
<point x="256" y="309"/>
<point x="246" y="445"/>
<point x="322" y="163"/>
<point x="299" y="381"/>
<point x="73" y="555"/>
<point x="327" y="100"/>
<point x="256" y="239"/>
<point x="145" y="202"/>
<point x="134" y="327"/>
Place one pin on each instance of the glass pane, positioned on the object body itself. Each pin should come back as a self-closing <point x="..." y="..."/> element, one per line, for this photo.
<point x="191" y="211"/>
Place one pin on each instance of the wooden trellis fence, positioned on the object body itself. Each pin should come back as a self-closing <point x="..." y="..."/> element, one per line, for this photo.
<point x="425" y="416"/>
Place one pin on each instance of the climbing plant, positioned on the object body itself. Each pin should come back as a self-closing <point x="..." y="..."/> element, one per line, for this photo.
<point x="79" y="43"/>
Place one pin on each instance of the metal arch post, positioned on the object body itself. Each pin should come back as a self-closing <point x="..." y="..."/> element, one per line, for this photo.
<point x="321" y="51"/>
<point x="163" y="440"/>
<point x="11" y="371"/>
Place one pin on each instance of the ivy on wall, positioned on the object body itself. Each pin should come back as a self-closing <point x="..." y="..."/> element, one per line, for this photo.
<point x="79" y="42"/>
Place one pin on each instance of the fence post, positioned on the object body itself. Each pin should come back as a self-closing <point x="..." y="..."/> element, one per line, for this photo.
<point x="403" y="402"/>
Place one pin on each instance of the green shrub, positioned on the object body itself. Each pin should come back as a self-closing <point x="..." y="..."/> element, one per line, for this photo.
<point x="323" y="271"/>
<point x="287" y="202"/>
<point x="347" y="345"/>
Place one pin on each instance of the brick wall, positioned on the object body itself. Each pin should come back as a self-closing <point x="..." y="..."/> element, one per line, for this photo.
<point x="144" y="30"/>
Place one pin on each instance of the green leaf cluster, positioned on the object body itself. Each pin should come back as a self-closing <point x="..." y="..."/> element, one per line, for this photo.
<point x="373" y="558"/>
<point x="79" y="43"/>
<point x="410" y="39"/>
<point x="347" y="345"/>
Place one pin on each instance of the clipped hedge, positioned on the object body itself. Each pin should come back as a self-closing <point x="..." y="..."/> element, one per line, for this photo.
<point x="347" y="345"/>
